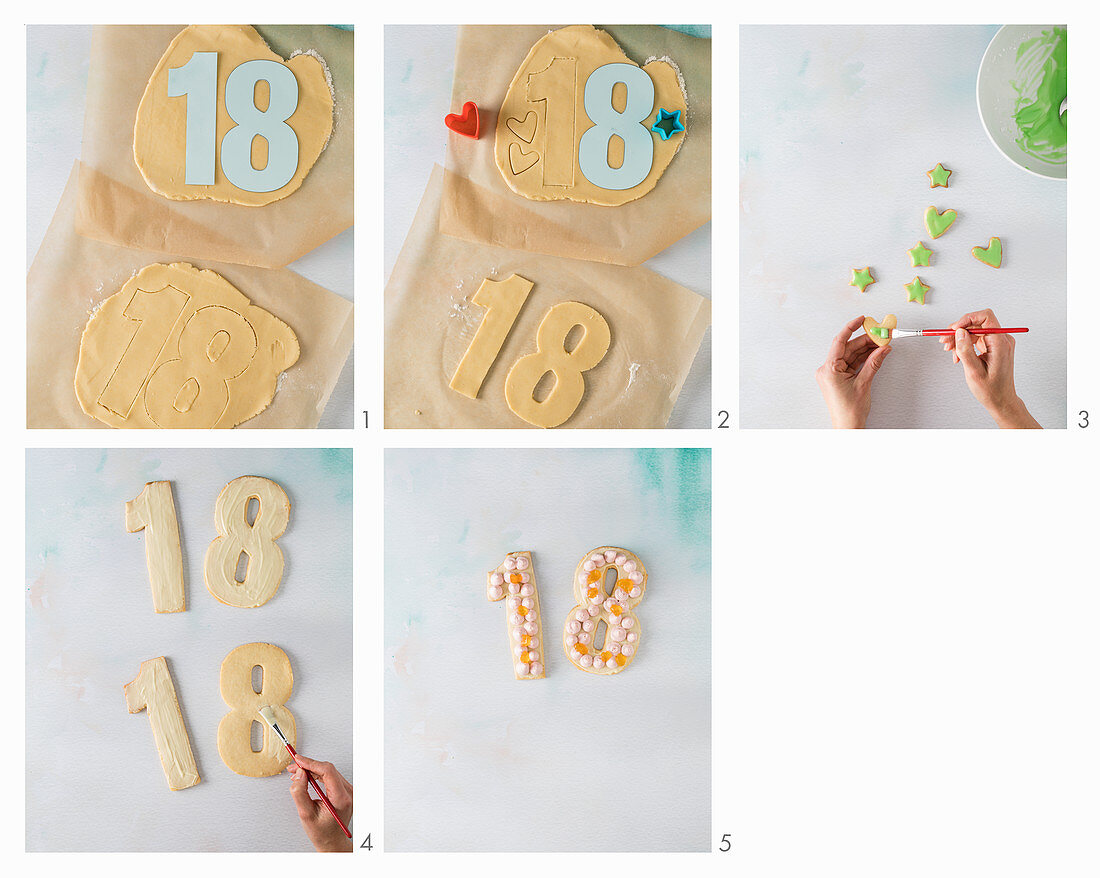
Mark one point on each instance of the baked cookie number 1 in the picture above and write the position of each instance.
(502, 301)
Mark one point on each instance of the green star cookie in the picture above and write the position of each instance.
(916, 290)
(861, 278)
(920, 255)
(938, 175)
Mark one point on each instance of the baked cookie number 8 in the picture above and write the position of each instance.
(602, 633)
(197, 81)
(503, 301)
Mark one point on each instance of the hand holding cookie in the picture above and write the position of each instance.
(845, 376)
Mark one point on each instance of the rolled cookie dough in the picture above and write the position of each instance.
(160, 127)
(139, 368)
(524, 139)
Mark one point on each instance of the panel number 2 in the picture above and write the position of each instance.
(197, 81)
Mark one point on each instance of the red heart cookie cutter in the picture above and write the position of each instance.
(468, 124)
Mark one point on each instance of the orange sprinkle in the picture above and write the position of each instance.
(620, 660)
(605, 655)
(592, 592)
(616, 609)
(515, 577)
(525, 640)
(594, 576)
(581, 648)
(525, 657)
(521, 610)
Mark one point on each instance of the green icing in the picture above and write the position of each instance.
(861, 278)
(937, 223)
(939, 176)
(916, 290)
(920, 255)
(880, 332)
(990, 255)
(1040, 89)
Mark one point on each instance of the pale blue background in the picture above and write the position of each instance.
(419, 72)
(591, 763)
(57, 79)
(838, 126)
(94, 781)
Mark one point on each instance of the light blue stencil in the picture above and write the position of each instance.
(197, 80)
(270, 124)
(637, 140)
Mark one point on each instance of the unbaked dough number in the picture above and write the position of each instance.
(235, 728)
(153, 690)
(514, 577)
(197, 81)
(636, 139)
(154, 511)
(560, 77)
(255, 540)
(566, 366)
(602, 633)
(503, 301)
(217, 344)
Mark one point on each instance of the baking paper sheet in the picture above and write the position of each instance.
(72, 274)
(656, 328)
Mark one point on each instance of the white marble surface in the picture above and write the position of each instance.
(477, 760)
(838, 126)
(419, 69)
(94, 781)
(57, 78)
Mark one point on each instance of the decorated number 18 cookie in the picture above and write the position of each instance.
(602, 633)
(515, 577)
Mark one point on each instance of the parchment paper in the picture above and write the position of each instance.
(478, 205)
(656, 327)
(72, 274)
(118, 207)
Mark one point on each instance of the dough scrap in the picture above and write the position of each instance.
(160, 126)
(235, 728)
(119, 361)
(596, 606)
(152, 689)
(265, 558)
(889, 323)
(517, 132)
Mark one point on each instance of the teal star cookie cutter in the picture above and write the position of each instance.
(667, 124)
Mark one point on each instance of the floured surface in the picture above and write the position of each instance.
(160, 129)
(656, 328)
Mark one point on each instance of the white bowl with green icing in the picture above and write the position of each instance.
(1021, 85)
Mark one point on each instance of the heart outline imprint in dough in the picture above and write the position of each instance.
(989, 255)
(524, 128)
(939, 222)
(520, 160)
(889, 322)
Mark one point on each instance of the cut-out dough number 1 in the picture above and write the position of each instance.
(503, 301)
(197, 81)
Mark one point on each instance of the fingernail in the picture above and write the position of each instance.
(960, 334)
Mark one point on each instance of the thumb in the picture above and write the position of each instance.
(299, 792)
(964, 350)
(872, 364)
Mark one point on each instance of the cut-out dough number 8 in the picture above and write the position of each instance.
(235, 728)
(567, 366)
(609, 122)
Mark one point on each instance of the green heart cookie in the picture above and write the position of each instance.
(937, 223)
(990, 255)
